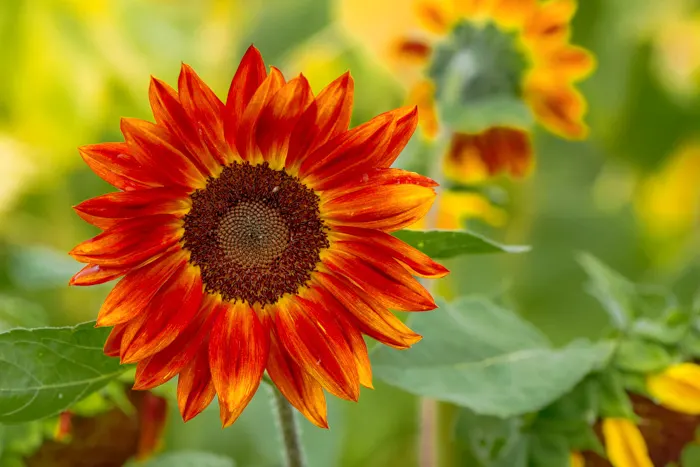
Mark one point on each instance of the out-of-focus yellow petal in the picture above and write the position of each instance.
(456, 207)
(436, 16)
(423, 95)
(668, 202)
(513, 13)
(624, 443)
(677, 53)
(576, 460)
(677, 388)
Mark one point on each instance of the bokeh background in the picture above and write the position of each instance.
(630, 194)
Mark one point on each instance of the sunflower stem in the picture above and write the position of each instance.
(289, 430)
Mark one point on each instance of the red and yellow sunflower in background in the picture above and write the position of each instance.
(253, 235)
(483, 71)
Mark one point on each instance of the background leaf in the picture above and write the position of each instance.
(189, 459)
(488, 359)
(441, 244)
(44, 371)
(641, 356)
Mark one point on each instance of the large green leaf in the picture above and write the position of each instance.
(488, 359)
(442, 244)
(190, 459)
(19, 313)
(485, 441)
(45, 370)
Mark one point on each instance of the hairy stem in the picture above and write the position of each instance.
(289, 430)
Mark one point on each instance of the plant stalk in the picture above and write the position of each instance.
(289, 430)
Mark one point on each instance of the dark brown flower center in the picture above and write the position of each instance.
(255, 233)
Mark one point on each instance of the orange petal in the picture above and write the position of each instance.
(280, 115)
(170, 114)
(114, 341)
(195, 388)
(352, 334)
(245, 140)
(435, 15)
(550, 22)
(370, 317)
(559, 107)
(400, 206)
(314, 340)
(574, 63)
(107, 210)
(156, 151)
(300, 389)
(129, 298)
(334, 108)
(513, 13)
(93, 274)
(248, 78)
(380, 276)
(423, 96)
(474, 157)
(131, 242)
(113, 164)
(206, 112)
(167, 314)
(159, 368)
(414, 260)
(238, 350)
(377, 177)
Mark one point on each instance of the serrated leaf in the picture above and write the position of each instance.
(44, 371)
(611, 289)
(190, 459)
(443, 244)
(640, 356)
(478, 355)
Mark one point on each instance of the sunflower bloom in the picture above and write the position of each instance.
(466, 58)
(625, 444)
(253, 236)
(677, 388)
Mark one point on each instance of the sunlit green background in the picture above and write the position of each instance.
(72, 68)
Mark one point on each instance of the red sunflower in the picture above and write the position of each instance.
(253, 236)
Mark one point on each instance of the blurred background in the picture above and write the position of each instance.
(630, 194)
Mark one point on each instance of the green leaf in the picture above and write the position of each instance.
(662, 332)
(44, 371)
(690, 344)
(442, 244)
(641, 356)
(614, 401)
(190, 459)
(611, 289)
(478, 355)
(486, 441)
(548, 450)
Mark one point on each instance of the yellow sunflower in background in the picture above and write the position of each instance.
(485, 70)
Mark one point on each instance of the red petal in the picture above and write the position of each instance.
(300, 389)
(352, 334)
(326, 117)
(377, 177)
(153, 414)
(245, 140)
(129, 298)
(382, 277)
(315, 341)
(248, 78)
(384, 207)
(371, 318)
(278, 118)
(334, 105)
(206, 112)
(159, 368)
(195, 388)
(114, 341)
(406, 123)
(238, 351)
(93, 274)
(113, 164)
(170, 114)
(415, 261)
(350, 150)
(112, 208)
(131, 242)
(156, 150)
(166, 316)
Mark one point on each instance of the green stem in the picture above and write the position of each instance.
(289, 430)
